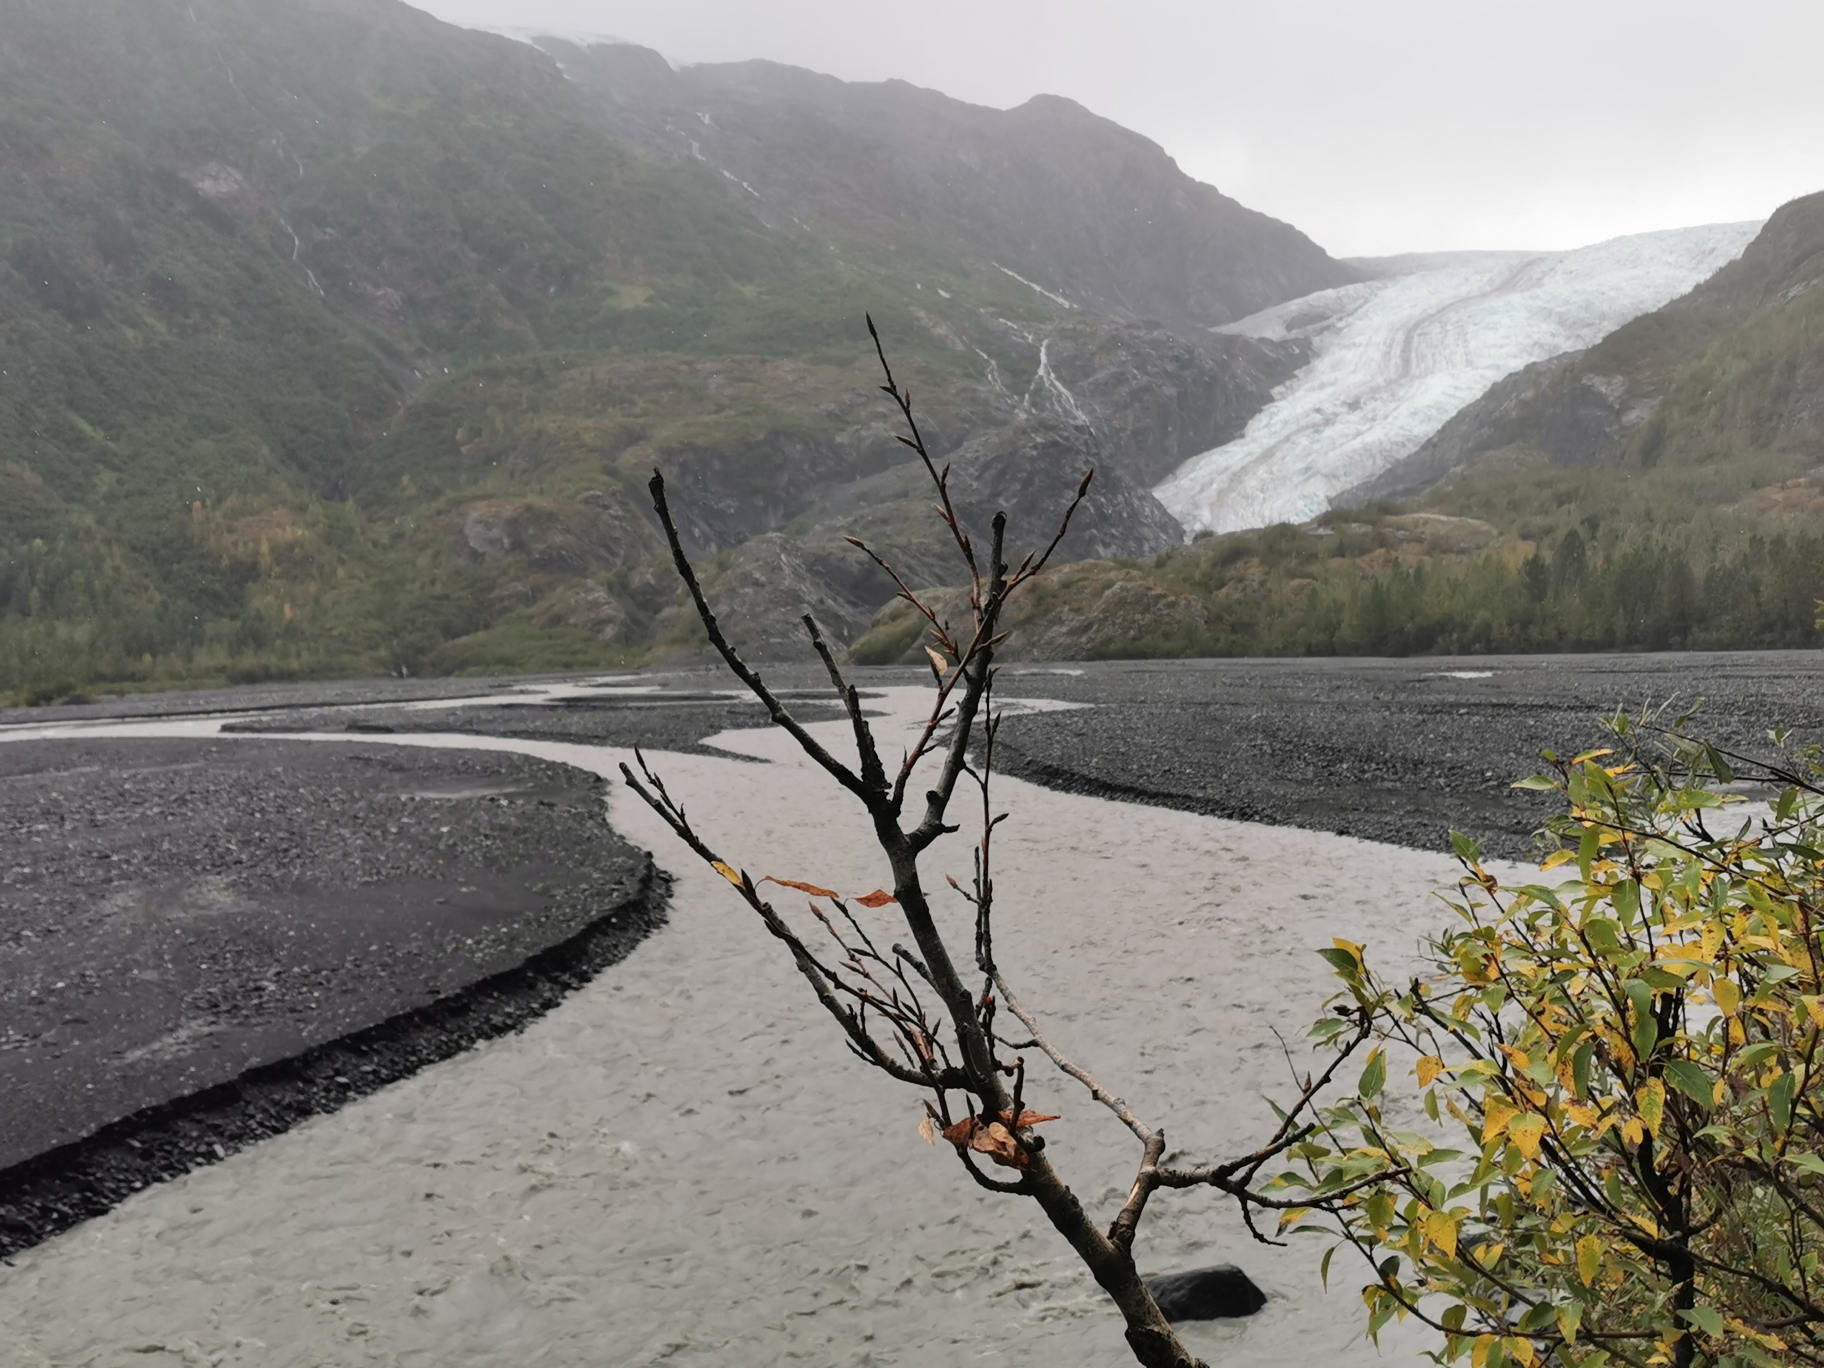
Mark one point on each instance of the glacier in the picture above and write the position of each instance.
(1395, 357)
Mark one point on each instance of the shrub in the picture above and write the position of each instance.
(1629, 1060)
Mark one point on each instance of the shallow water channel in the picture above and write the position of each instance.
(681, 1164)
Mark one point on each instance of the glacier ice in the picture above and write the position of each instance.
(1394, 358)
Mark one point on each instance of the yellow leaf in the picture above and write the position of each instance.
(1632, 1132)
(1589, 1259)
(1430, 1066)
(1728, 995)
(1526, 1132)
(1350, 946)
(1292, 1216)
(1651, 1100)
(1441, 1230)
(1478, 1354)
(1815, 1008)
(1558, 857)
(1520, 1349)
(728, 873)
(1496, 1113)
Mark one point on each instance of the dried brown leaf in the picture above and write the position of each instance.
(992, 1139)
(1028, 1118)
(960, 1132)
(812, 889)
(927, 1131)
(878, 898)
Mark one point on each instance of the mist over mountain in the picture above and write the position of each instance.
(1091, 214)
(337, 339)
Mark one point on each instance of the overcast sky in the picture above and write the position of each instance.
(1376, 126)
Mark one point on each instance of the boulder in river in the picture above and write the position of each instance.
(1206, 1294)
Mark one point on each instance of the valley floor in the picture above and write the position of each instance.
(652, 1171)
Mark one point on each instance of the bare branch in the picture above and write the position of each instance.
(775, 709)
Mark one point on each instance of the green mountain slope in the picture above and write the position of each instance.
(332, 338)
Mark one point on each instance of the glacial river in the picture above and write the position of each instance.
(681, 1164)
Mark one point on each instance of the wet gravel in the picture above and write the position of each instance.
(176, 913)
(677, 719)
(1401, 751)
(204, 941)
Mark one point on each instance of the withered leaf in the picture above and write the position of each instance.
(728, 873)
(1028, 1118)
(997, 1142)
(927, 1131)
(939, 665)
(992, 1139)
(812, 889)
(878, 898)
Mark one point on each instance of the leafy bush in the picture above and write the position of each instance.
(1629, 1060)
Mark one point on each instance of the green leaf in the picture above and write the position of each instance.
(1645, 1034)
(1691, 1080)
(1343, 962)
(1538, 782)
(1626, 898)
(1587, 850)
(1323, 1269)
(1580, 1069)
(1467, 847)
(1705, 1318)
(1779, 1100)
(1756, 1053)
(1374, 1077)
(1604, 935)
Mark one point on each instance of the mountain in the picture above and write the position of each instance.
(1396, 356)
(335, 338)
(1086, 213)
(1728, 379)
(1659, 490)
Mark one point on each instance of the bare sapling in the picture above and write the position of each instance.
(911, 1008)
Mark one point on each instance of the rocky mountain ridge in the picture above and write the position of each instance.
(1083, 212)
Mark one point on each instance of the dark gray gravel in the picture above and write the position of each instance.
(176, 913)
(676, 720)
(1388, 750)
(202, 942)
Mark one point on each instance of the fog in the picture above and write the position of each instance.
(1402, 126)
